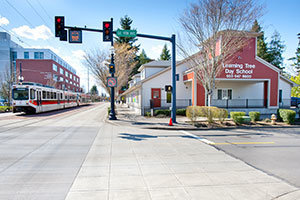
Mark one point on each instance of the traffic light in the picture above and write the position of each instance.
(111, 68)
(59, 25)
(107, 31)
(168, 88)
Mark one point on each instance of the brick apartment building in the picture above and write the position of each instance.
(38, 65)
(48, 72)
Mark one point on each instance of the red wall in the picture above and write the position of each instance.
(40, 71)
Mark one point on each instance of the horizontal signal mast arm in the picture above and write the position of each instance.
(114, 32)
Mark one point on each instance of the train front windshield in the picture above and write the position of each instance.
(20, 94)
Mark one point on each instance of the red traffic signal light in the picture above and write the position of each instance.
(59, 25)
(107, 31)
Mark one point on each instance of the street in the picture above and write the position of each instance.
(75, 154)
(273, 150)
(40, 155)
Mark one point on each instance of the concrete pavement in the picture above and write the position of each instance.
(125, 162)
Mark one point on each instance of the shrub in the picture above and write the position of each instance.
(288, 116)
(148, 114)
(164, 112)
(192, 112)
(181, 112)
(235, 115)
(242, 119)
(208, 112)
(222, 114)
(108, 110)
(255, 116)
(278, 116)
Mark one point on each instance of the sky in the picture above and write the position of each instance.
(31, 24)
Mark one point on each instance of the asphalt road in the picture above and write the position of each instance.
(40, 155)
(272, 150)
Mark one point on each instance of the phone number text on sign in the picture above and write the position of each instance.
(239, 70)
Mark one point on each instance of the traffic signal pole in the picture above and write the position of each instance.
(112, 115)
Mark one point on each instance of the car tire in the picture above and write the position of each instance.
(7, 110)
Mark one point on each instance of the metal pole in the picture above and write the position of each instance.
(173, 79)
(112, 114)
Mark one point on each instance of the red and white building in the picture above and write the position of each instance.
(246, 82)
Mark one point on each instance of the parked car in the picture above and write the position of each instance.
(5, 107)
(295, 101)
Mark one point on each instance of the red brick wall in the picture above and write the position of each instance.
(41, 71)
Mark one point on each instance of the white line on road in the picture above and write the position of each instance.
(197, 137)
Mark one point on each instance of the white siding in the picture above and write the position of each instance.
(286, 92)
(241, 89)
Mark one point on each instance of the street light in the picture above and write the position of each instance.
(21, 79)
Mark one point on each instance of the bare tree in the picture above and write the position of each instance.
(98, 61)
(215, 30)
(6, 80)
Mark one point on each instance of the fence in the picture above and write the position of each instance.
(247, 103)
(180, 103)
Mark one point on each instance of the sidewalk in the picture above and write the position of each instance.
(127, 163)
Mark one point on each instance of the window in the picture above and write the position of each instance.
(280, 96)
(38, 55)
(67, 81)
(54, 67)
(61, 96)
(224, 94)
(32, 94)
(44, 95)
(48, 95)
(71, 82)
(67, 74)
(61, 79)
(26, 55)
(54, 95)
(20, 94)
(71, 77)
(55, 77)
(14, 55)
(74, 78)
(61, 71)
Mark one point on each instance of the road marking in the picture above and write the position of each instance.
(198, 138)
(224, 143)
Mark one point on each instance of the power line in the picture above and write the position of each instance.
(37, 12)
(44, 10)
(20, 40)
(19, 13)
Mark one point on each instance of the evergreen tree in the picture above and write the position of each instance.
(142, 59)
(262, 49)
(165, 54)
(126, 25)
(296, 59)
(94, 90)
(276, 48)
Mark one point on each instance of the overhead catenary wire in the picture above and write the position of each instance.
(44, 10)
(37, 12)
(19, 13)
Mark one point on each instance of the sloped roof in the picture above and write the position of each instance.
(156, 63)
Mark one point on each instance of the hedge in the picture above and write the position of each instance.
(165, 112)
(236, 117)
(192, 112)
(288, 116)
(181, 112)
(242, 119)
(255, 116)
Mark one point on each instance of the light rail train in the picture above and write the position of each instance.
(36, 98)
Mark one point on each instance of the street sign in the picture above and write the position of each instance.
(112, 81)
(75, 36)
(126, 33)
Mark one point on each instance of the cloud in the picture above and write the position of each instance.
(39, 32)
(3, 21)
